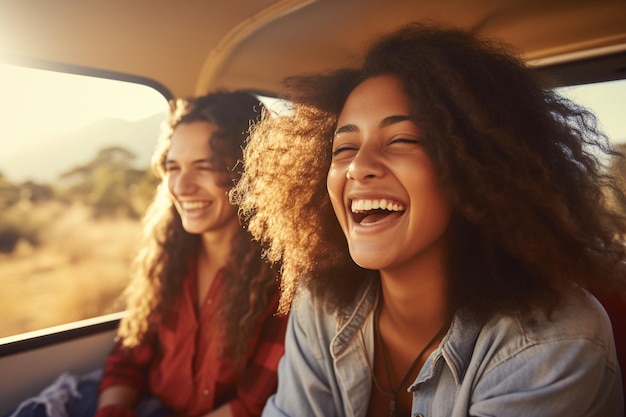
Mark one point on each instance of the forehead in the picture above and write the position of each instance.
(191, 139)
(374, 99)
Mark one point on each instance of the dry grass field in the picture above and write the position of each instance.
(77, 271)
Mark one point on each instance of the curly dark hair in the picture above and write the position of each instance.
(520, 165)
(161, 266)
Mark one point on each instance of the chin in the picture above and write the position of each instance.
(369, 261)
(193, 229)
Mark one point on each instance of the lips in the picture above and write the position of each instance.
(194, 205)
(369, 211)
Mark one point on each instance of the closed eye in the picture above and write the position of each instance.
(171, 168)
(210, 164)
(403, 145)
(343, 149)
(205, 167)
(406, 140)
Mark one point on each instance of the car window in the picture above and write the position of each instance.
(606, 100)
(74, 181)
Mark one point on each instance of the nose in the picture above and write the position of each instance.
(366, 164)
(183, 183)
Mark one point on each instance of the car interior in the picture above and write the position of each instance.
(183, 49)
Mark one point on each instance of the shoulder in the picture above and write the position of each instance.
(310, 306)
(311, 318)
(580, 323)
(534, 362)
(309, 315)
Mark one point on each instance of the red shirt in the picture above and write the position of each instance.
(184, 369)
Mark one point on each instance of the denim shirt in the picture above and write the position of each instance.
(509, 366)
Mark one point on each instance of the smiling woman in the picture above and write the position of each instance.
(452, 303)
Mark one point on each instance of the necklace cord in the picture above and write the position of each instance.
(387, 361)
(393, 393)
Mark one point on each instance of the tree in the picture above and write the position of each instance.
(105, 182)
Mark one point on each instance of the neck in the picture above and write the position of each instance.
(414, 297)
(417, 309)
(408, 324)
(217, 245)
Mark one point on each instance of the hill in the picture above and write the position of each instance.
(46, 159)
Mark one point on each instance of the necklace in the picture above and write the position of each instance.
(393, 393)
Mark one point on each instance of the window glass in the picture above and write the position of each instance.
(74, 181)
(606, 100)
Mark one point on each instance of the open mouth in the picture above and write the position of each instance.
(193, 205)
(372, 211)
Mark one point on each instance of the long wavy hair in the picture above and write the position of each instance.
(163, 261)
(521, 166)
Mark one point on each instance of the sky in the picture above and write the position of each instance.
(36, 104)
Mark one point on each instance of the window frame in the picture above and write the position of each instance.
(78, 329)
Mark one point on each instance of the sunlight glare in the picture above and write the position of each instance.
(36, 103)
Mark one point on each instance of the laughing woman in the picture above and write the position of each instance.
(439, 218)
(201, 335)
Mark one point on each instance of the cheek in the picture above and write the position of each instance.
(225, 180)
(214, 182)
(335, 182)
(435, 205)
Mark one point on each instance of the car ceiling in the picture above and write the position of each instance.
(194, 46)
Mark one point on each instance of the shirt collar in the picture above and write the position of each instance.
(351, 318)
(456, 347)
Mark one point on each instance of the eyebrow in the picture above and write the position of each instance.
(387, 121)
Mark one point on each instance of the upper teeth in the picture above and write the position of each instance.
(190, 205)
(364, 205)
